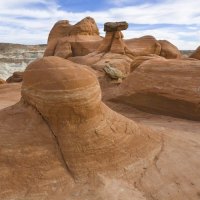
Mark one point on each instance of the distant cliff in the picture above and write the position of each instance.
(15, 57)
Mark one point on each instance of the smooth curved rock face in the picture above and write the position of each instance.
(97, 153)
(15, 78)
(140, 59)
(144, 45)
(168, 50)
(63, 49)
(86, 26)
(113, 43)
(10, 94)
(59, 30)
(31, 166)
(92, 137)
(115, 26)
(196, 54)
(83, 38)
(170, 87)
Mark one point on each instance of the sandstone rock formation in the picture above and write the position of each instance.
(196, 54)
(147, 45)
(76, 95)
(62, 142)
(59, 30)
(63, 132)
(115, 26)
(144, 46)
(63, 28)
(140, 59)
(113, 41)
(164, 86)
(82, 38)
(15, 78)
(168, 50)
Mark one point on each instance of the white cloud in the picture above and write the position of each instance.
(32, 24)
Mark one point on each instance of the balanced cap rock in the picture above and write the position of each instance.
(113, 41)
(115, 26)
(92, 137)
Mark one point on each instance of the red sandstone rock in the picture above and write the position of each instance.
(196, 54)
(86, 26)
(140, 59)
(15, 78)
(168, 50)
(97, 153)
(83, 37)
(59, 30)
(63, 49)
(10, 94)
(144, 46)
(63, 132)
(170, 87)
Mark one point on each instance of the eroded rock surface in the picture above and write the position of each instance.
(79, 39)
(196, 54)
(168, 50)
(15, 78)
(79, 137)
(62, 142)
(164, 86)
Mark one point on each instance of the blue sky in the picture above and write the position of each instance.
(29, 21)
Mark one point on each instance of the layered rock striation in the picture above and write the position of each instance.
(92, 137)
(66, 40)
(169, 87)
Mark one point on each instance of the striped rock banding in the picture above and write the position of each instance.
(91, 136)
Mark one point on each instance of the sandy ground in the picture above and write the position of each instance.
(9, 94)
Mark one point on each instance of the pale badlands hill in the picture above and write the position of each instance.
(16, 57)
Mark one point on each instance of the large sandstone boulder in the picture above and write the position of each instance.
(62, 142)
(63, 49)
(82, 38)
(196, 54)
(15, 78)
(60, 138)
(144, 45)
(170, 87)
(59, 30)
(86, 26)
(168, 50)
(140, 59)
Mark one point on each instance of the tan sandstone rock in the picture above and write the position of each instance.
(144, 45)
(62, 132)
(63, 49)
(76, 95)
(15, 78)
(60, 142)
(83, 37)
(170, 87)
(168, 50)
(59, 30)
(196, 54)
